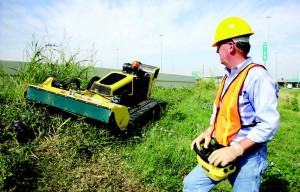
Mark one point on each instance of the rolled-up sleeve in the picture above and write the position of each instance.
(264, 91)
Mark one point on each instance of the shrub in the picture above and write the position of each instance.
(23, 125)
(292, 103)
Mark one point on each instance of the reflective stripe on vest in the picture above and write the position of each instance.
(227, 121)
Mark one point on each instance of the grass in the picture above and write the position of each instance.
(42, 149)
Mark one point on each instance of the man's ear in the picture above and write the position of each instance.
(232, 48)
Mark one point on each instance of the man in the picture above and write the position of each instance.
(244, 118)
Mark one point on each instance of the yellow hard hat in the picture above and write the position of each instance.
(231, 27)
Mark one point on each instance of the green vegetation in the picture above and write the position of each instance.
(46, 150)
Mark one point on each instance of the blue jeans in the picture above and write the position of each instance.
(246, 178)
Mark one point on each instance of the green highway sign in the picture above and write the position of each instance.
(195, 74)
(265, 51)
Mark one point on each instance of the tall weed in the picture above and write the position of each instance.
(56, 64)
(292, 103)
(23, 125)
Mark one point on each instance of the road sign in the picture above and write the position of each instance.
(195, 74)
(265, 51)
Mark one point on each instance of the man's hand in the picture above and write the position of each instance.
(225, 155)
(204, 136)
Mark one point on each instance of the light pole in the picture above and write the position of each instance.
(268, 55)
(117, 57)
(276, 68)
(161, 52)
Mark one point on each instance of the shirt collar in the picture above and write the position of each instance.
(239, 67)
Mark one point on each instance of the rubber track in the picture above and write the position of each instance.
(144, 112)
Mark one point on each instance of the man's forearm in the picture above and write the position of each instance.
(247, 144)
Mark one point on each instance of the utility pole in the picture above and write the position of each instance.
(161, 52)
(268, 55)
(117, 57)
(276, 68)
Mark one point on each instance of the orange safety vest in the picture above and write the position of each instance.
(227, 121)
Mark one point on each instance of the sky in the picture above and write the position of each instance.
(175, 35)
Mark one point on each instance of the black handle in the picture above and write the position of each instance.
(202, 153)
(205, 152)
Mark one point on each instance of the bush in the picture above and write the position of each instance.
(24, 125)
(292, 103)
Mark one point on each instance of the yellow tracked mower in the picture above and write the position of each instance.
(119, 99)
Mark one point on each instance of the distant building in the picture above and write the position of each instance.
(289, 83)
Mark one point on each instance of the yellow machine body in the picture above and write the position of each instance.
(117, 99)
(84, 103)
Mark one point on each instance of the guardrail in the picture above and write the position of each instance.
(165, 80)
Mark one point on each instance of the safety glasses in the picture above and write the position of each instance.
(222, 43)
